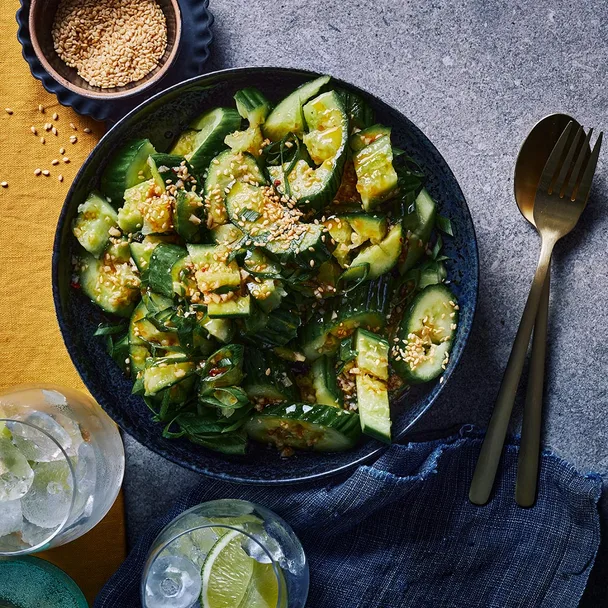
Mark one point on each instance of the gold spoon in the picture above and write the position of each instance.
(531, 160)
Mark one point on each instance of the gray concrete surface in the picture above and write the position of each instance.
(475, 76)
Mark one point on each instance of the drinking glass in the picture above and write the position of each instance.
(61, 467)
(30, 582)
(226, 553)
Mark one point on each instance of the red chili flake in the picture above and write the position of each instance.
(277, 182)
(216, 371)
(75, 285)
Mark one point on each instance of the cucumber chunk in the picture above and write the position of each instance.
(252, 105)
(321, 428)
(376, 176)
(372, 354)
(327, 144)
(227, 169)
(418, 226)
(287, 116)
(221, 329)
(128, 167)
(147, 208)
(379, 258)
(211, 129)
(373, 406)
(92, 224)
(425, 335)
(325, 382)
(143, 333)
(226, 234)
(369, 227)
(188, 216)
(251, 140)
(363, 138)
(212, 270)
(161, 373)
(268, 378)
(111, 281)
(239, 306)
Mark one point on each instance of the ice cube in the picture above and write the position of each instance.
(10, 517)
(72, 428)
(261, 546)
(35, 445)
(16, 475)
(54, 397)
(172, 581)
(35, 535)
(50, 498)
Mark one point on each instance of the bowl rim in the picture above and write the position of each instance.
(373, 454)
(102, 94)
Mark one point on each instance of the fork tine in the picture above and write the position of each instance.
(582, 192)
(582, 155)
(567, 164)
(553, 162)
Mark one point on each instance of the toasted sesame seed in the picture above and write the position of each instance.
(54, 162)
(55, 116)
(61, 150)
(42, 141)
(8, 110)
(46, 172)
(87, 130)
(33, 130)
(60, 178)
(40, 108)
(73, 139)
(66, 159)
(4, 184)
(37, 171)
(54, 131)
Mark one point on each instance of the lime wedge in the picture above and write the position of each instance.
(227, 573)
(263, 591)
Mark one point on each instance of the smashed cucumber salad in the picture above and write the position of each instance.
(279, 273)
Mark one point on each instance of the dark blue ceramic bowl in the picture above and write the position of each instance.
(159, 119)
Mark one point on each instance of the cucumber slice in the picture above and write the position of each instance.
(325, 382)
(211, 129)
(252, 105)
(365, 306)
(162, 260)
(182, 277)
(226, 234)
(374, 408)
(376, 176)
(161, 373)
(418, 227)
(307, 249)
(146, 208)
(227, 169)
(380, 258)
(142, 252)
(213, 272)
(268, 378)
(425, 335)
(221, 329)
(363, 138)
(128, 167)
(171, 167)
(138, 353)
(360, 115)
(321, 428)
(188, 216)
(185, 143)
(327, 144)
(287, 116)
(369, 227)
(251, 140)
(252, 210)
(111, 282)
(239, 306)
(372, 354)
(92, 224)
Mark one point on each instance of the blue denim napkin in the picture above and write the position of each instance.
(402, 533)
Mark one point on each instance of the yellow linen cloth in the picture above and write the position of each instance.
(31, 347)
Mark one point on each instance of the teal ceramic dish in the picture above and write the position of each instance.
(159, 119)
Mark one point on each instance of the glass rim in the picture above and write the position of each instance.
(74, 492)
(155, 554)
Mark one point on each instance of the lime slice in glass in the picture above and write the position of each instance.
(227, 573)
(263, 590)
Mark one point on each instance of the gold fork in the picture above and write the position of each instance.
(561, 196)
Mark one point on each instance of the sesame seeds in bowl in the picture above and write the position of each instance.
(105, 49)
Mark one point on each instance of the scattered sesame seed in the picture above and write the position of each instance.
(33, 130)
(61, 150)
(66, 159)
(87, 130)
(73, 126)
(8, 110)
(4, 184)
(42, 141)
(46, 172)
(55, 116)
(54, 131)
(37, 171)
(54, 162)
(40, 108)
(60, 178)
(73, 139)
